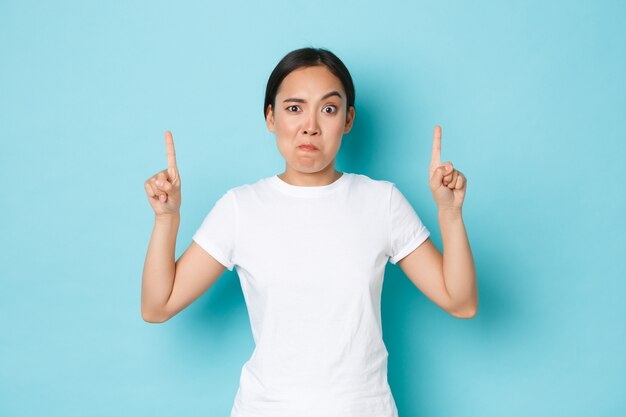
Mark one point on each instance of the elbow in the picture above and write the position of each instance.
(468, 312)
(465, 315)
(152, 320)
(152, 317)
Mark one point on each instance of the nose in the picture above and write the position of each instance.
(311, 127)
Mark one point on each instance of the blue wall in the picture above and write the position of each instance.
(532, 100)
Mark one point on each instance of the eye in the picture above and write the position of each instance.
(290, 107)
(330, 106)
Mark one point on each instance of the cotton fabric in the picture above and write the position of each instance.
(311, 262)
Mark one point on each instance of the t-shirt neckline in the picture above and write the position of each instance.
(308, 191)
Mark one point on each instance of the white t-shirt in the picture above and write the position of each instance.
(311, 262)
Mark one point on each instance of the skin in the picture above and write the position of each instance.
(449, 280)
(310, 119)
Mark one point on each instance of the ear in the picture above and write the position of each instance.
(269, 118)
(349, 119)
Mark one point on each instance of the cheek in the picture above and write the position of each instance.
(335, 128)
(286, 125)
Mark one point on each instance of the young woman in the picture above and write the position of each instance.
(310, 247)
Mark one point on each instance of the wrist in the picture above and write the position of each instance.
(450, 212)
(167, 218)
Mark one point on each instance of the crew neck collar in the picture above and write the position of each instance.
(308, 191)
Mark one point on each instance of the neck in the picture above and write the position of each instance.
(310, 179)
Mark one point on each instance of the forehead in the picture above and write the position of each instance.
(313, 81)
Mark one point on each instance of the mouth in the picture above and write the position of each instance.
(307, 147)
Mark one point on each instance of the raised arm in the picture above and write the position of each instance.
(164, 196)
(449, 280)
(169, 286)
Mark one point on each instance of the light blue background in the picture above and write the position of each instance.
(532, 100)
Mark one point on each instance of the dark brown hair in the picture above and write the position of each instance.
(308, 57)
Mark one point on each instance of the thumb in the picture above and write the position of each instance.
(172, 172)
(437, 179)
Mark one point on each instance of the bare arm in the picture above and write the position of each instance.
(448, 280)
(459, 271)
(168, 287)
(159, 269)
(196, 272)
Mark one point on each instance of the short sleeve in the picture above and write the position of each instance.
(406, 230)
(217, 233)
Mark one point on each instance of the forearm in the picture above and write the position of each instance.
(160, 267)
(458, 263)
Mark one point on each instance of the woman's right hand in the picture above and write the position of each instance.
(163, 188)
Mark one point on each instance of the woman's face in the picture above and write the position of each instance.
(310, 109)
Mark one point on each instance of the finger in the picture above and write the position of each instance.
(162, 178)
(437, 177)
(169, 148)
(159, 193)
(163, 185)
(453, 181)
(149, 190)
(168, 175)
(155, 189)
(448, 171)
(436, 151)
(460, 182)
(451, 175)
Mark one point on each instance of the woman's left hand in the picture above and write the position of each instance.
(446, 183)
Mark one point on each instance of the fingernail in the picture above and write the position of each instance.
(159, 182)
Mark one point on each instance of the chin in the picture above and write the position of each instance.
(307, 170)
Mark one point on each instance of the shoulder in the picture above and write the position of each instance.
(377, 187)
(249, 192)
(247, 187)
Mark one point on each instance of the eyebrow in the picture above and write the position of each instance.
(300, 100)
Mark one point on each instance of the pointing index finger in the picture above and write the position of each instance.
(436, 154)
(169, 147)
